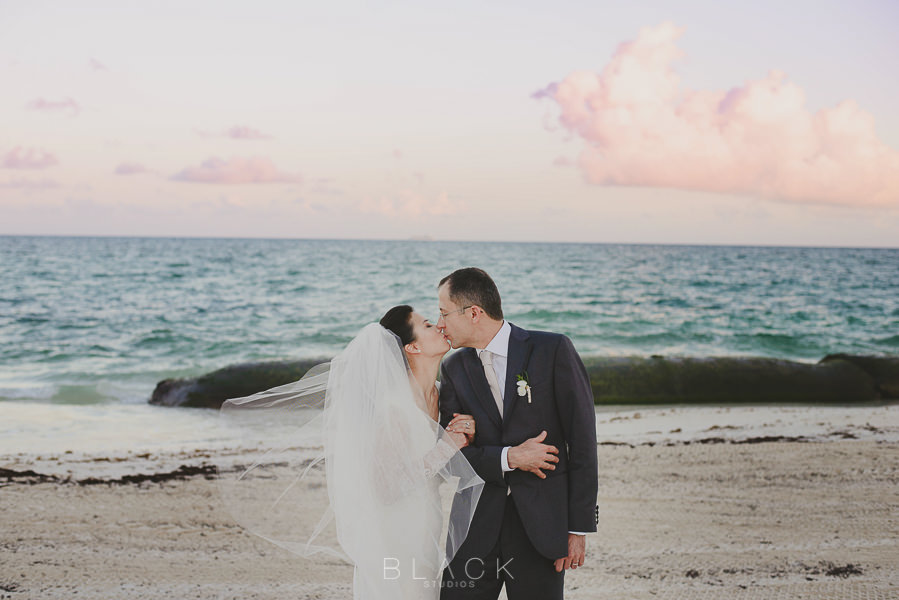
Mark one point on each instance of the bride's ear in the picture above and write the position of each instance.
(412, 348)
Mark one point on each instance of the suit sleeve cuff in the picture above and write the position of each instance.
(504, 460)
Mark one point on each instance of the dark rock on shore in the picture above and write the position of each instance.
(735, 379)
(212, 389)
(884, 370)
(838, 378)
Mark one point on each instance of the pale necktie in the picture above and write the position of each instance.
(487, 361)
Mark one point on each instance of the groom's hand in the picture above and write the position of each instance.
(577, 552)
(532, 455)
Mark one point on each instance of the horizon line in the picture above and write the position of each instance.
(441, 241)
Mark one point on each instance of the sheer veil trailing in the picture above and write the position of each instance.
(350, 466)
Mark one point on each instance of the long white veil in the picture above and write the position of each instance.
(350, 466)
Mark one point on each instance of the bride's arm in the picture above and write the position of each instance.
(398, 470)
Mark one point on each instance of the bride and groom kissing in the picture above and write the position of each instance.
(509, 431)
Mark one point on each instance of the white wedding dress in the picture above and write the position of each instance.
(356, 469)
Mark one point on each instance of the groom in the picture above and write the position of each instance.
(535, 446)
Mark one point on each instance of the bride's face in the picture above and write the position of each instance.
(428, 339)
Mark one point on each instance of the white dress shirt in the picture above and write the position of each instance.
(499, 346)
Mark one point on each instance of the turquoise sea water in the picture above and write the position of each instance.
(88, 320)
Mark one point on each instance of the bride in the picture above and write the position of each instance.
(361, 469)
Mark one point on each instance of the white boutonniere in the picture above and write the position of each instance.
(524, 386)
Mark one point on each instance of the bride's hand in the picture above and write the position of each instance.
(458, 439)
(462, 424)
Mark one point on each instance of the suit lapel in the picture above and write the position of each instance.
(519, 352)
(475, 371)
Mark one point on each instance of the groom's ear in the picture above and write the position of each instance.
(476, 313)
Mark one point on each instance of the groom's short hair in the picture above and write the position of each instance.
(472, 286)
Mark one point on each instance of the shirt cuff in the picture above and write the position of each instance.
(577, 532)
(504, 460)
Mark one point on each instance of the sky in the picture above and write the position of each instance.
(691, 122)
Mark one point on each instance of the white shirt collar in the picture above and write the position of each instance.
(499, 345)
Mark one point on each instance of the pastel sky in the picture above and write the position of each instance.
(701, 122)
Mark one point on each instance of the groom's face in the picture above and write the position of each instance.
(456, 326)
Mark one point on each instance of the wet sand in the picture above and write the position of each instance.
(710, 519)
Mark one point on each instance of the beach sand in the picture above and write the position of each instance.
(688, 520)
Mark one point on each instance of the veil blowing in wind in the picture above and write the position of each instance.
(352, 467)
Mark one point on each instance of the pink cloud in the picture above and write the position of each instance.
(236, 170)
(29, 158)
(240, 132)
(66, 105)
(547, 92)
(759, 139)
(127, 168)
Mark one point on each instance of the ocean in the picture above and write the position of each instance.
(101, 320)
(88, 326)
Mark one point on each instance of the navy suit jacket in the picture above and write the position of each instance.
(562, 405)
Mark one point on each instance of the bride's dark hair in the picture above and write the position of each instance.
(399, 320)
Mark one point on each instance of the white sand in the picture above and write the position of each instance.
(678, 520)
